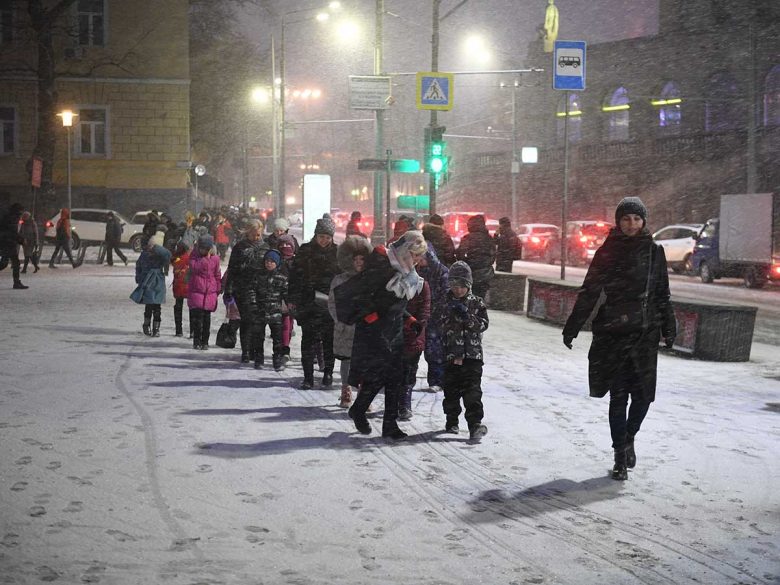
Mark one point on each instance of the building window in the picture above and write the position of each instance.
(668, 105)
(617, 107)
(772, 98)
(6, 22)
(725, 107)
(91, 15)
(7, 130)
(575, 117)
(91, 132)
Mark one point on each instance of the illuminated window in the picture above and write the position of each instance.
(575, 117)
(7, 130)
(616, 108)
(725, 108)
(91, 132)
(91, 18)
(772, 97)
(669, 108)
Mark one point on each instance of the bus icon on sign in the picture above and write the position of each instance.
(569, 61)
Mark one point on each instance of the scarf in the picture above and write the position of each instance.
(405, 283)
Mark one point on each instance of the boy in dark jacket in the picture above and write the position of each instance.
(269, 290)
(464, 321)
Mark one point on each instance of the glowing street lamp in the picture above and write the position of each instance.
(67, 121)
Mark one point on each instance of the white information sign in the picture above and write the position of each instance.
(316, 201)
(369, 92)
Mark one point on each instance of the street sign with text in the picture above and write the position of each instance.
(401, 165)
(369, 92)
(372, 164)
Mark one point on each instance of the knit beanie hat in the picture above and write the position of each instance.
(505, 221)
(325, 226)
(436, 219)
(281, 224)
(460, 273)
(274, 256)
(631, 205)
(205, 242)
(286, 246)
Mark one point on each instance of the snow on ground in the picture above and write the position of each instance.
(129, 459)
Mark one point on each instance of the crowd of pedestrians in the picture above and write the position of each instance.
(379, 309)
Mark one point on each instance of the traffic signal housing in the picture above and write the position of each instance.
(435, 152)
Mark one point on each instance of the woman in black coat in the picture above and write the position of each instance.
(375, 302)
(630, 269)
(478, 250)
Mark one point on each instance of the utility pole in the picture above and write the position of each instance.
(378, 234)
(434, 115)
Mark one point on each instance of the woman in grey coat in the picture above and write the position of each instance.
(630, 269)
(351, 257)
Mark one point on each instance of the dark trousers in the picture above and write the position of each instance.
(110, 248)
(200, 323)
(178, 313)
(222, 250)
(504, 265)
(411, 363)
(246, 310)
(463, 383)
(31, 258)
(619, 425)
(62, 248)
(258, 338)
(314, 331)
(15, 265)
(369, 388)
(481, 289)
(152, 312)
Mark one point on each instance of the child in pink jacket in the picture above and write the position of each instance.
(204, 288)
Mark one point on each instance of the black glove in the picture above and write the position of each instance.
(567, 341)
(460, 310)
(669, 341)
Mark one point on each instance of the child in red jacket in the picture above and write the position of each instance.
(180, 260)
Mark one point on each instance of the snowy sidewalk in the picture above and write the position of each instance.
(128, 459)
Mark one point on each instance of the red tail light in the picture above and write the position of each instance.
(49, 224)
(584, 239)
(776, 269)
(535, 239)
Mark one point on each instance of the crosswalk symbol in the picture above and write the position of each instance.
(434, 91)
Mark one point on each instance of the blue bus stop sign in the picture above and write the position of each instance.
(569, 65)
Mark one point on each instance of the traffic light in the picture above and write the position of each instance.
(435, 151)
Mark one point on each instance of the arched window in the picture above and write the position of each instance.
(772, 97)
(616, 107)
(668, 105)
(725, 108)
(575, 117)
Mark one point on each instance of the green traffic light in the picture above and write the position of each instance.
(437, 165)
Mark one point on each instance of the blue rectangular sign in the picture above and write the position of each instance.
(569, 65)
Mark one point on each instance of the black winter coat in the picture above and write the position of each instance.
(506, 247)
(246, 262)
(312, 271)
(620, 270)
(441, 242)
(9, 231)
(113, 232)
(378, 315)
(478, 250)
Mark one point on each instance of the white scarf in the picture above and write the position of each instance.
(405, 283)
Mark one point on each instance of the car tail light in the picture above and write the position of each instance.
(536, 240)
(584, 239)
(49, 224)
(776, 269)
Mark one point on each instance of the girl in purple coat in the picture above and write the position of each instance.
(204, 288)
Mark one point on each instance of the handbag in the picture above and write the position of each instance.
(627, 317)
(226, 337)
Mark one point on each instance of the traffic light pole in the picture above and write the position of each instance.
(378, 233)
(432, 182)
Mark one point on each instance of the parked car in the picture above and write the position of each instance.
(137, 227)
(535, 237)
(678, 242)
(296, 217)
(583, 238)
(88, 226)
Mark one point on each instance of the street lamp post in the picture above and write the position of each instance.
(67, 121)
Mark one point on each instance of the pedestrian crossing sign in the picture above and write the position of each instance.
(434, 91)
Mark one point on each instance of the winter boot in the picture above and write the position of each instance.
(452, 426)
(244, 356)
(360, 420)
(179, 330)
(327, 378)
(405, 404)
(345, 400)
(619, 471)
(477, 432)
(278, 362)
(630, 453)
(390, 430)
(259, 361)
(156, 329)
(147, 326)
(18, 285)
(308, 376)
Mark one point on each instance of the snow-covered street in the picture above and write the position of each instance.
(128, 459)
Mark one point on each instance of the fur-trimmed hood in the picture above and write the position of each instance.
(352, 246)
